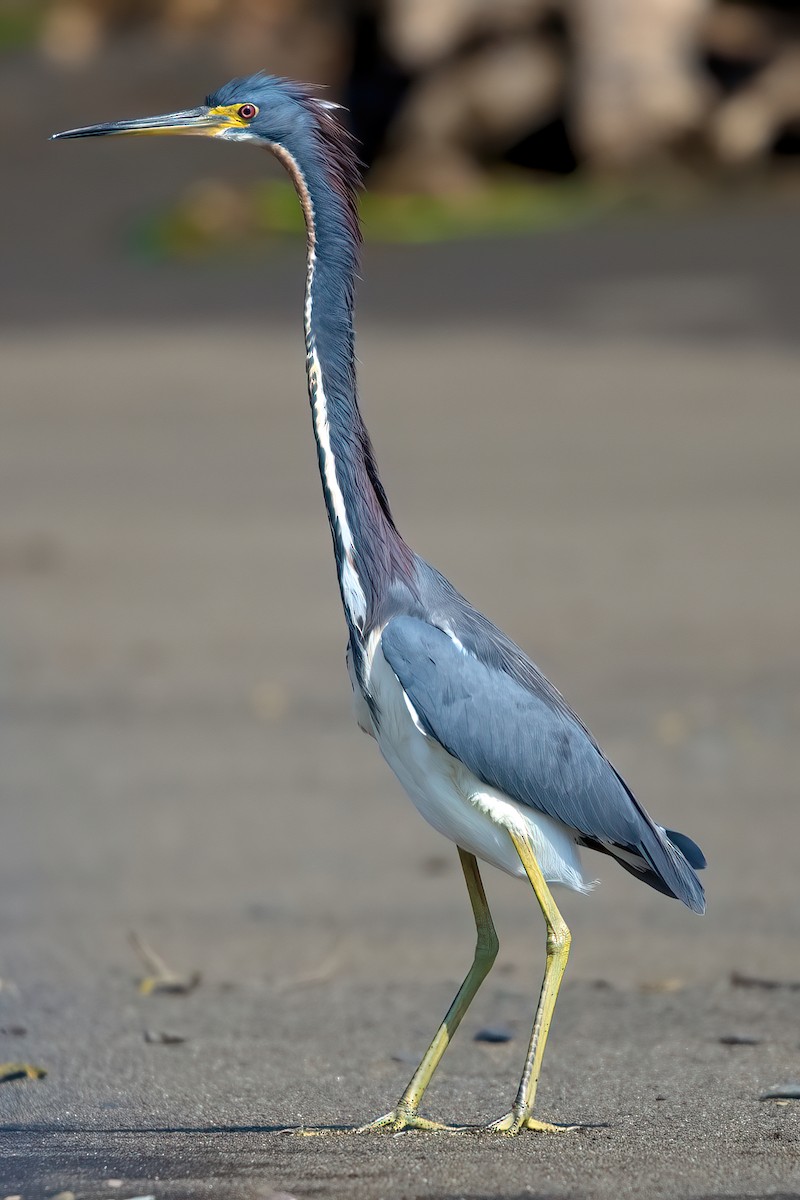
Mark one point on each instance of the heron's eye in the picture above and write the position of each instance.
(247, 111)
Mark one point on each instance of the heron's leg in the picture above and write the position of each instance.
(558, 943)
(405, 1115)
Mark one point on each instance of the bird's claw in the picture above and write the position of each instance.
(513, 1123)
(398, 1121)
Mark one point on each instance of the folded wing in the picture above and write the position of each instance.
(528, 744)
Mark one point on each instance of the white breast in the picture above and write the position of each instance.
(448, 795)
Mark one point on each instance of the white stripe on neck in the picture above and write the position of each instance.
(353, 596)
(352, 592)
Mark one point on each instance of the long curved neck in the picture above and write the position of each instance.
(369, 552)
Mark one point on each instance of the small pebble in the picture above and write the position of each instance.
(770, 985)
(782, 1091)
(158, 1037)
(11, 1071)
(653, 986)
(171, 985)
(494, 1034)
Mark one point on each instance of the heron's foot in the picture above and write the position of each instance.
(399, 1120)
(513, 1123)
(396, 1121)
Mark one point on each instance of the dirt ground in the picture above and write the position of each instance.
(599, 444)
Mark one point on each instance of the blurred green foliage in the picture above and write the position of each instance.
(213, 217)
(19, 23)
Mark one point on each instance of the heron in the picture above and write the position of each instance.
(487, 749)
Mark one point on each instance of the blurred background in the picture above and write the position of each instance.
(440, 93)
(578, 335)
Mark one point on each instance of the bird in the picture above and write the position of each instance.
(487, 749)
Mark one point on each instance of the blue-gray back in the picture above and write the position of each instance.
(490, 707)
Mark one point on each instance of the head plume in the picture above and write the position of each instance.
(308, 127)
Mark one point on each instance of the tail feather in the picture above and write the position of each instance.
(689, 849)
(665, 860)
(672, 857)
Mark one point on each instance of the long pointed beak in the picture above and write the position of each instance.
(203, 122)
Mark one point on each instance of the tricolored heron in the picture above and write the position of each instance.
(489, 752)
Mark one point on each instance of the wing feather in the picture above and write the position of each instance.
(528, 744)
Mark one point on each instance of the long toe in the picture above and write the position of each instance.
(512, 1124)
(398, 1121)
(392, 1122)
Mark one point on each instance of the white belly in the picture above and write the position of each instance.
(450, 797)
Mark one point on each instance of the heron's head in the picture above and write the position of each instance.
(261, 108)
(286, 118)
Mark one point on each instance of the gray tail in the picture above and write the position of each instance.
(664, 859)
(668, 862)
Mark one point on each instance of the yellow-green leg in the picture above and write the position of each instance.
(558, 943)
(405, 1116)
